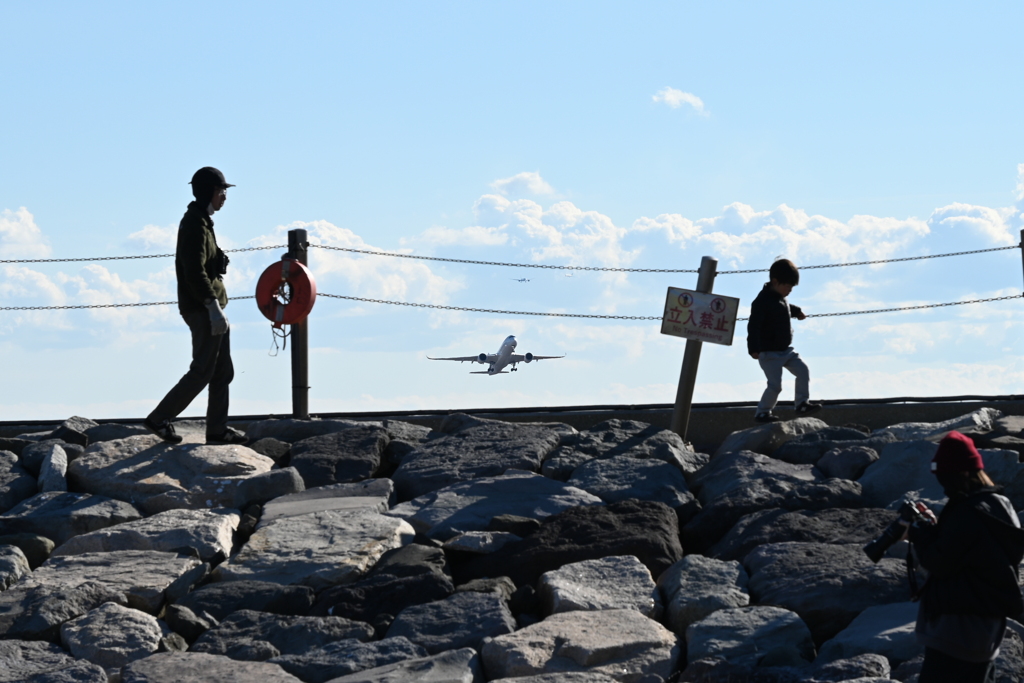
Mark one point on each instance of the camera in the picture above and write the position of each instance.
(908, 514)
(222, 262)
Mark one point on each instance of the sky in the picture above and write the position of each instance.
(598, 134)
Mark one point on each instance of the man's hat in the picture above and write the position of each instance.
(956, 454)
(208, 176)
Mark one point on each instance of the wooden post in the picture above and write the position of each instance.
(300, 338)
(688, 374)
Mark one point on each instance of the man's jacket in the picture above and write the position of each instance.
(770, 327)
(197, 262)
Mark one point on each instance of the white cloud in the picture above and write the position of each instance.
(20, 237)
(439, 236)
(993, 224)
(1020, 182)
(527, 183)
(153, 237)
(677, 98)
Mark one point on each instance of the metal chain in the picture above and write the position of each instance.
(908, 308)
(127, 258)
(72, 308)
(491, 310)
(871, 263)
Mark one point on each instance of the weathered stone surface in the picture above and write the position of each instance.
(221, 599)
(480, 542)
(346, 456)
(13, 565)
(460, 620)
(140, 575)
(372, 495)
(978, 421)
(24, 661)
(33, 455)
(565, 677)
(59, 516)
(187, 623)
(718, 670)
(482, 448)
(827, 585)
(866, 666)
(113, 431)
(346, 657)
(744, 634)
(35, 612)
(621, 643)
(112, 635)
(882, 630)
(848, 462)
(14, 445)
(765, 439)
(777, 525)
(287, 635)
(698, 586)
(53, 472)
(161, 476)
(36, 548)
(405, 437)
(810, 448)
(454, 666)
(266, 486)
(622, 477)
(647, 530)
(470, 505)
(291, 431)
(901, 468)
(208, 532)
(621, 582)
(16, 484)
(274, 449)
(614, 438)
(320, 549)
(197, 667)
(730, 471)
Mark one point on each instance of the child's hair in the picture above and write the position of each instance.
(785, 272)
(964, 483)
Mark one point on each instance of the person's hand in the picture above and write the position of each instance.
(801, 315)
(923, 509)
(218, 321)
(755, 355)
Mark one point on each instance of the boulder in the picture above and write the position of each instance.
(621, 582)
(320, 549)
(112, 636)
(13, 565)
(16, 483)
(902, 468)
(460, 620)
(348, 656)
(275, 449)
(372, 495)
(291, 430)
(112, 431)
(565, 677)
(36, 548)
(454, 666)
(286, 635)
(187, 623)
(827, 585)
(34, 612)
(405, 437)
(697, 586)
(14, 445)
(32, 661)
(621, 643)
(979, 421)
(349, 455)
(53, 472)
(766, 438)
(59, 516)
(645, 529)
(886, 630)
(745, 635)
(480, 448)
(866, 666)
(208, 532)
(197, 667)
(33, 455)
(221, 599)
(471, 505)
(731, 471)
(622, 477)
(810, 448)
(847, 462)
(719, 670)
(480, 542)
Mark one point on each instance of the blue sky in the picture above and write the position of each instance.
(593, 134)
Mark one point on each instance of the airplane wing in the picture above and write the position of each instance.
(519, 358)
(470, 359)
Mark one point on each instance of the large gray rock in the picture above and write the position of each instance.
(36, 548)
(34, 612)
(141, 576)
(208, 532)
(13, 565)
(461, 620)
(59, 516)
(53, 472)
(979, 421)
(698, 586)
(112, 636)
(113, 431)
(480, 542)
(34, 455)
(454, 666)
(827, 585)
(884, 630)
(365, 495)
(623, 476)
(810, 448)
(765, 439)
(221, 599)
(574, 677)
(347, 656)
(73, 430)
(405, 437)
(291, 431)
(349, 455)
(848, 462)
(866, 666)
(16, 484)
(622, 643)
(482, 448)
(730, 471)
(621, 582)
(197, 667)
(236, 635)
(901, 468)
(160, 476)
(470, 505)
(744, 635)
(25, 661)
(320, 549)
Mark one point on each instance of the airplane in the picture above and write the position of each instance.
(499, 360)
(520, 279)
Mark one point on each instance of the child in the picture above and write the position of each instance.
(769, 335)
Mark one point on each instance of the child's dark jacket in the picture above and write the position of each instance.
(770, 327)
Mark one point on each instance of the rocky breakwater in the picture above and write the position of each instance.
(483, 551)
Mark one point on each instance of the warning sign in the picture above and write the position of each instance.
(701, 317)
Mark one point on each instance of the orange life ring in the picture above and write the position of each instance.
(286, 292)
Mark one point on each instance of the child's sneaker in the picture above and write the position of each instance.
(767, 417)
(808, 408)
(165, 431)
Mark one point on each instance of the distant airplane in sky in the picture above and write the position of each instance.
(499, 360)
(518, 279)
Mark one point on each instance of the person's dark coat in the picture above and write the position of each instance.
(972, 556)
(770, 327)
(197, 262)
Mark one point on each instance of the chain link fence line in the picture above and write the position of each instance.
(128, 258)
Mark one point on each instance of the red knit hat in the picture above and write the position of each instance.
(956, 453)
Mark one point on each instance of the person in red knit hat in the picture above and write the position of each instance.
(972, 556)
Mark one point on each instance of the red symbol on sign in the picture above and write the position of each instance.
(717, 305)
(685, 300)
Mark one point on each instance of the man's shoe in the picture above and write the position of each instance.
(808, 408)
(767, 417)
(164, 431)
(230, 436)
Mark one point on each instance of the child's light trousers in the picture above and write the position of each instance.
(772, 363)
